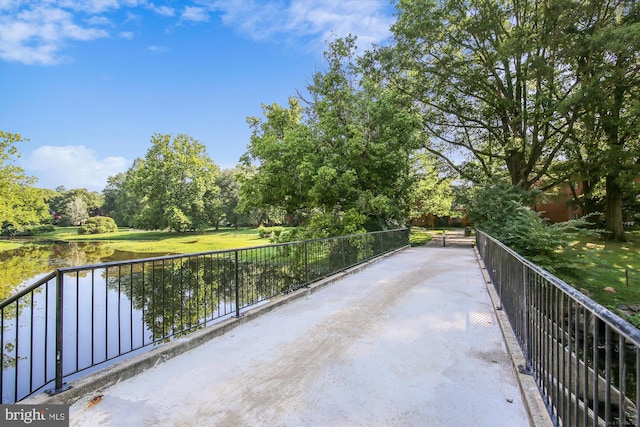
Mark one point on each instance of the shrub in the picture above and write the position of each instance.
(272, 233)
(503, 211)
(9, 229)
(39, 229)
(98, 225)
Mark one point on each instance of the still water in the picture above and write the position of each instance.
(21, 267)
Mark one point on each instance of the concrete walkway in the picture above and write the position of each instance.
(411, 340)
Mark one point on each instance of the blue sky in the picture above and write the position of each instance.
(88, 82)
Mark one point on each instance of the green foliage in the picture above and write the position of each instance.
(503, 211)
(490, 80)
(73, 207)
(272, 233)
(341, 165)
(21, 205)
(122, 203)
(174, 186)
(337, 223)
(432, 191)
(98, 225)
(177, 220)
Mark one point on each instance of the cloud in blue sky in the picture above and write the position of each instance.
(36, 32)
(73, 164)
(368, 19)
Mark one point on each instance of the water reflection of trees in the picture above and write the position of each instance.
(181, 294)
(24, 263)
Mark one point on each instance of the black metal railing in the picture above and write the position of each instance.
(584, 358)
(77, 319)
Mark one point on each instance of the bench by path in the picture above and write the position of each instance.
(411, 340)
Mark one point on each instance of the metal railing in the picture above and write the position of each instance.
(584, 358)
(77, 319)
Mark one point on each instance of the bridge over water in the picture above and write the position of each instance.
(412, 340)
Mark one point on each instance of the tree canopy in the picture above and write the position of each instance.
(340, 163)
(524, 89)
(172, 187)
(21, 204)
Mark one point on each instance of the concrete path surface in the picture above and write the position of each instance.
(411, 340)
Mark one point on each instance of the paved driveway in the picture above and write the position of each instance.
(411, 340)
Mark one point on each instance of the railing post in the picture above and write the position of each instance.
(237, 285)
(306, 264)
(60, 386)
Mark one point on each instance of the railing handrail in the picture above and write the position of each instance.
(110, 264)
(13, 298)
(623, 326)
(584, 358)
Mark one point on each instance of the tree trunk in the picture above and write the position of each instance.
(613, 214)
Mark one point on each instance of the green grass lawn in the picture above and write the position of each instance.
(189, 242)
(615, 262)
(420, 236)
(157, 241)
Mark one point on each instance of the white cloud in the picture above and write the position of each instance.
(157, 49)
(99, 20)
(196, 14)
(36, 35)
(161, 10)
(74, 166)
(127, 35)
(369, 20)
(37, 31)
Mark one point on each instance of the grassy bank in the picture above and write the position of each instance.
(156, 241)
(420, 236)
(614, 279)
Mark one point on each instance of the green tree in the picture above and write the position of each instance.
(604, 52)
(20, 203)
(75, 205)
(341, 161)
(364, 133)
(175, 184)
(121, 201)
(490, 78)
(432, 191)
(285, 151)
(229, 183)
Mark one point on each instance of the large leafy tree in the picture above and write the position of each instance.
(284, 149)
(175, 184)
(365, 133)
(605, 53)
(489, 77)
(340, 164)
(21, 204)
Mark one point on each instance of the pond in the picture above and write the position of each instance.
(22, 266)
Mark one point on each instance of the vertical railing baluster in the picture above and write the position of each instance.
(60, 386)
(607, 374)
(622, 386)
(237, 285)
